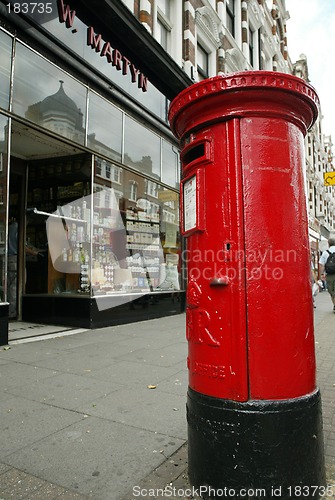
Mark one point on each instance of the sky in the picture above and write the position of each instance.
(311, 31)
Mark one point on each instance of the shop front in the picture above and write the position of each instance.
(89, 175)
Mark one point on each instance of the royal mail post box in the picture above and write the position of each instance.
(253, 410)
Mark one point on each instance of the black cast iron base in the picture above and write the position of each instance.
(257, 449)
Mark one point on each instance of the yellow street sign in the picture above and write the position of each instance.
(329, 178)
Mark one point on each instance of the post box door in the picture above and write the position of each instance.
(212, 221)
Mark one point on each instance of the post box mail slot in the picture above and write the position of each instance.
(197, 152)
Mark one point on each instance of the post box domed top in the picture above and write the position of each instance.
(247, 93)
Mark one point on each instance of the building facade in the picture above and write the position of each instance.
(320, 196)
(89, 186)
(225, 36)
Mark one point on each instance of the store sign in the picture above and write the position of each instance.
(314, 224)
(329, 178)
(103, 48)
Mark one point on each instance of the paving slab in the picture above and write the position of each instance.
(96, 457)
(25, 422)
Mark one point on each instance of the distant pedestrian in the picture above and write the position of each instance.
(314, 285)
(327, 269)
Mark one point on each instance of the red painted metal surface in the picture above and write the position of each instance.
(249, 308)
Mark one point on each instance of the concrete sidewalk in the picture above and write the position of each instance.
(96, 414)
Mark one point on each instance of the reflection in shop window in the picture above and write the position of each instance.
(3, 209)
(170, 164)
(153, 99)
(102, 137)
(168, 216)
(47, 96)
(108, 171)
(98, 167)
(154, 210)
(133, 189)
(152, 188)
(5, 65)
(118, 197)
(142, 150)
(116, 174)
(120, 242)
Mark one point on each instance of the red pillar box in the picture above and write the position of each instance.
(253, 410)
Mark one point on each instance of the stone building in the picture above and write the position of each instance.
(211, 37)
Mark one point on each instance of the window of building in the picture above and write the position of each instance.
(251, 47)
(129, 4)
(230, 6)
(254, 46)
(163, 26)
(202, 62)
(260, 58)
(162, 34)
(164, 6)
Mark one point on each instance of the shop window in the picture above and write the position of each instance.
(47, 96)
(121, 239)
(135, 249)
(141, 148)
(104, 127)
(5, 65)
(152, 99)
(59, 225)
(3, 213)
